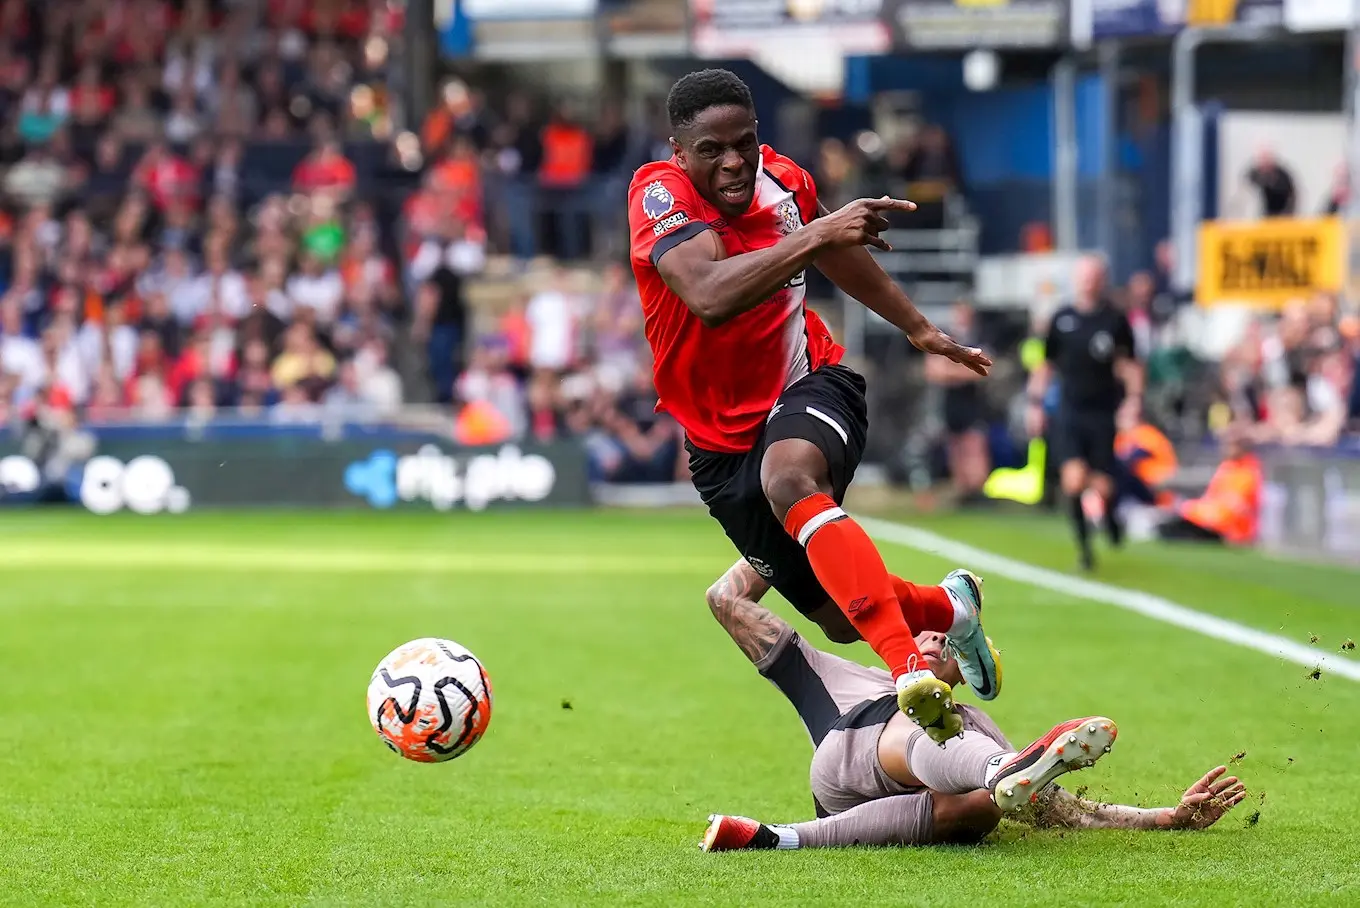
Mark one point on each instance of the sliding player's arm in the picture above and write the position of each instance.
(735, 601)
(854, 270)
(1202, 805)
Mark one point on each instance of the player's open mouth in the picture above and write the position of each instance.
(735, 192)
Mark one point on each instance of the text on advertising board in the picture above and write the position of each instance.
(1269, 262)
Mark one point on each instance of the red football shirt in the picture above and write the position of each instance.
(721, 383)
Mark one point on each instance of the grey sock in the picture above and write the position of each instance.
(899, 820)
(960, 766)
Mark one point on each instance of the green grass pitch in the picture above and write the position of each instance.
(183, 722)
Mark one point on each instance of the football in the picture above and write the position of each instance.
(429, 700)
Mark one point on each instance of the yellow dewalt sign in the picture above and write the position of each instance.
(1210, 12)
(1269, 262)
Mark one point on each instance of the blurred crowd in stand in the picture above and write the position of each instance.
(196, 208)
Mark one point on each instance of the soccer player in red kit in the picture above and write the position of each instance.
(775, 426)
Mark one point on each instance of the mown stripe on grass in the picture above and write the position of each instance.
(1137, 601)
(105, 555)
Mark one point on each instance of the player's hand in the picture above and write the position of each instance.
(1035, 419)
(935, 341)
(1205, 802)
(861, 222)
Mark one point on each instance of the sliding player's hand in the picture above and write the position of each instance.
(1205, 802)
(937, 342)
(861, 222)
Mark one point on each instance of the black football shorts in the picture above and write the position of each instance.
(1085, 435)
(825, 407)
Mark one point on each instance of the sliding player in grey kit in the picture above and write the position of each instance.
(877, 779)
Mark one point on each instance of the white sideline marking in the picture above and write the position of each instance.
(1145, 604)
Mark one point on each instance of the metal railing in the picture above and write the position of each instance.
(936, 268)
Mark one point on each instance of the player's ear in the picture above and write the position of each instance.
(676, 149)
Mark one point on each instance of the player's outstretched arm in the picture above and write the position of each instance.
(853, 269)
(1202, 805)
(717, 289)
(735, 600)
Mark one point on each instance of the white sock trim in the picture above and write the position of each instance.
(963, 612)
(911, 678)
(817, 522)
(994, 765)
(788, 837)
(818, 414)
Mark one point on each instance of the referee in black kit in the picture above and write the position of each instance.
(1090, 349)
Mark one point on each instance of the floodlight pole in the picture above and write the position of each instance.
(1065, 167)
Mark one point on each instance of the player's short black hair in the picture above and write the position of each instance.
(697, 92)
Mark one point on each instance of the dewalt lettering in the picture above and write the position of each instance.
(1269, 262)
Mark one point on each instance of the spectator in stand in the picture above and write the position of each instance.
(563, 175)
(1339, 196)
(614, 157)
(45, 106)
(1273, 182)
(107, 401)
(108, 346)
(837, 178)
(201, 400)
(318, 287)
(930, 169)
(20, 355)
(184, 123)
(364, 270)
(544, 396)
(166, 177)
(202, 360)
(461, 112)
(159, 319)
(303, 366)
(107, 178)
(440, 322)
(231, 104)
(62, 369)
(617, 343)
(378, 381)
(326, 168)
(255, 385)
(220, 289)
(345, 399)
(552, 315)
(487, 381)
(1138, 302)
(649, 442)
(136, 119)
(38, 179)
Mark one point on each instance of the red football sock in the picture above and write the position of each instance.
(925, 608)
(850, 569)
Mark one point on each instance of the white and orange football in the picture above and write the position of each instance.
(430, 700)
